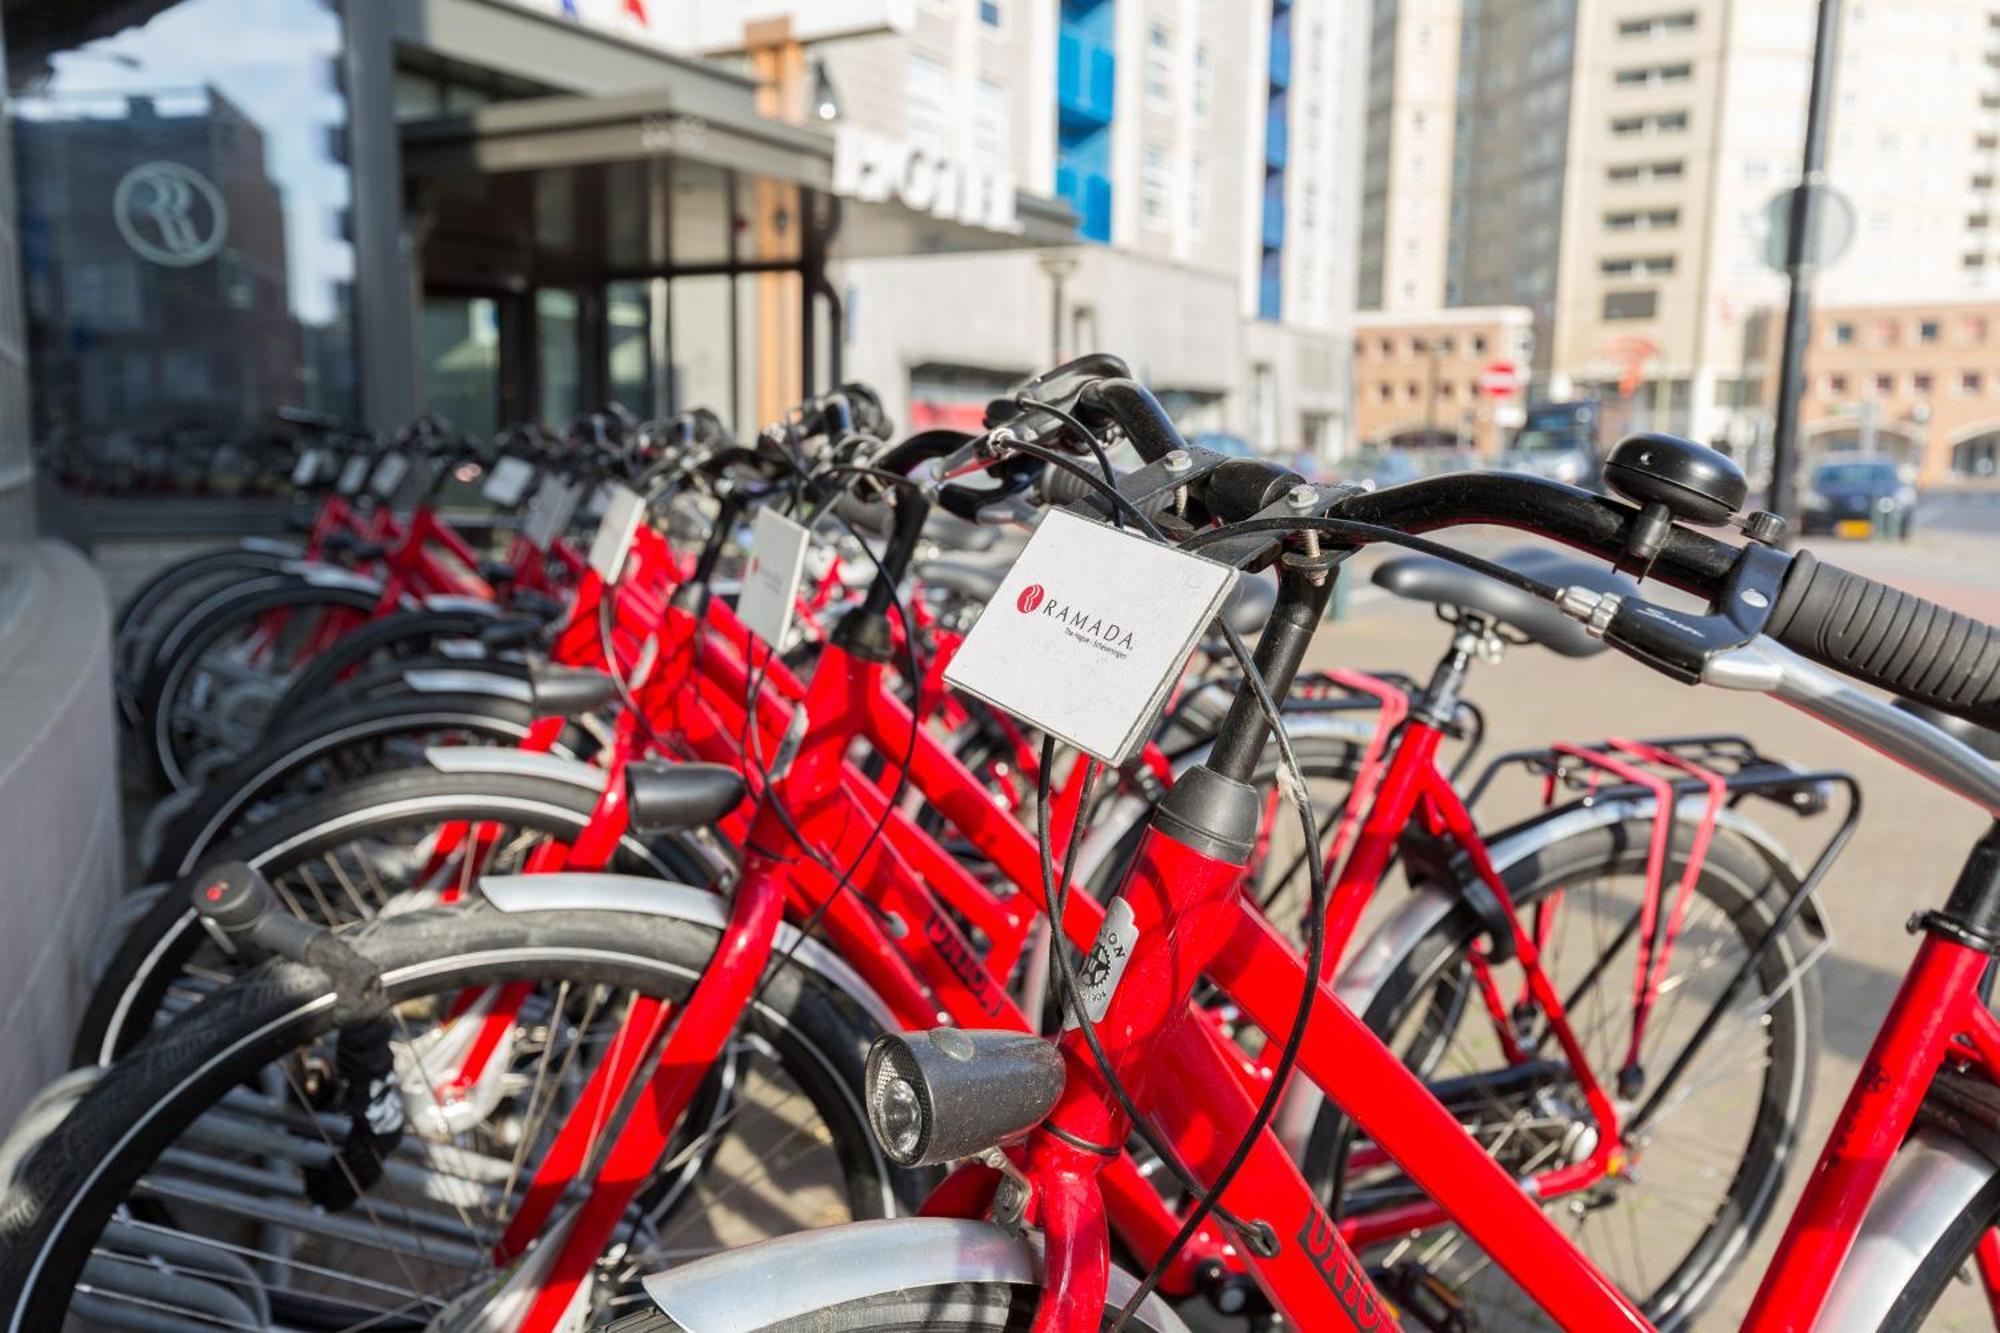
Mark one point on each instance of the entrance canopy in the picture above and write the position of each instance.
(665, 249)
(713, 126)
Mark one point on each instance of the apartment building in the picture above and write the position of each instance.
(1509, 155)
(1406, 182)
(1917, 381)
(1210, 162)
(1418, 375)
(1615, 161)
(1915, 144)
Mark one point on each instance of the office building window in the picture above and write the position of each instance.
(1159, 64)
(1885, 384)
(1843, 333)
(1155, 188)
(1204, 81)
(1631, 305)
(989, 13)
(1920, 382)
(1927, 331)
(1653, 76)
(1836, 385)
(1658, 25)
(927, 105)
(1968, 382)
(1972, 329)
(1198, 194)
(991, 144)
(182, 207)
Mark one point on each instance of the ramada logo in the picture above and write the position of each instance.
(1030, 598)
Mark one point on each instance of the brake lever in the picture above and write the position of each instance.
(1674, 643)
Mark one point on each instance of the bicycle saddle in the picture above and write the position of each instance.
(1423, 578)
(1983, 739)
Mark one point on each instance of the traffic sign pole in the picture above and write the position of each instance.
(1799, 266)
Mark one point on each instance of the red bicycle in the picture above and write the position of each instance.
(924, 935)
(1903, 1195)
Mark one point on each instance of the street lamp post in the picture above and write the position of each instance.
(1058, 264)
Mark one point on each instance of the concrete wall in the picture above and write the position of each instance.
(60, 838)
(60, 841)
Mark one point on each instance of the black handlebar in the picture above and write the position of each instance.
(1888, 638)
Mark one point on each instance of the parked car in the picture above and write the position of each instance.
(1557, 441)
(1859, 495)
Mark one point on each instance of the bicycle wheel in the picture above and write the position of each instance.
(215, 690)
(336, 746)
(228, 1172)
(341, 859)
(397, 639)
(1705, 1170)
(160, 602)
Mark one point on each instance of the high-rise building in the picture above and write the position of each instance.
(1210, 162)
(1510, 148)
(1406, 182)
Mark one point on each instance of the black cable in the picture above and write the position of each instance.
(1089, 438)
(1376, 532)
(1056, 894)
(1288, 1057)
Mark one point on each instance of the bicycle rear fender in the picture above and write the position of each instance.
(794, 1275)
(566, 891)
(521, 763)
(1370, 965)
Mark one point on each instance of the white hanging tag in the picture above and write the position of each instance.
(623, 509)
(309, 468)
(507, 482)
(389, 474)
(549, 511)
(354, 475)
(1088, 632)
(771, 578)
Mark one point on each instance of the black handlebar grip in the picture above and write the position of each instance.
(1891, 639)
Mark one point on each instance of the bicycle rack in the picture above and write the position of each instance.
(1717, 770)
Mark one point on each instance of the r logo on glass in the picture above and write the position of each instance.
(170, 214)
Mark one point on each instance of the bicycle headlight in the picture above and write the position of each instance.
(937, 1096)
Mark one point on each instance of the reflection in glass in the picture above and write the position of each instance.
(702, 374)
(181, 217)
(558, 360)
(627, 337)
(462, 361)
(698, 214)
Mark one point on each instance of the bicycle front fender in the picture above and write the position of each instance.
(573, 891)
(1930, 1182)
(795, 1275)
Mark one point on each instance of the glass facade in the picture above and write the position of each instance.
(186, 269)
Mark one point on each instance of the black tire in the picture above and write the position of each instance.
(956, 1307)
(162, 944)
(1746, 888)
(69, 1186)
(158, 602)
(172, 742)
(393, 639)
(331, 748)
